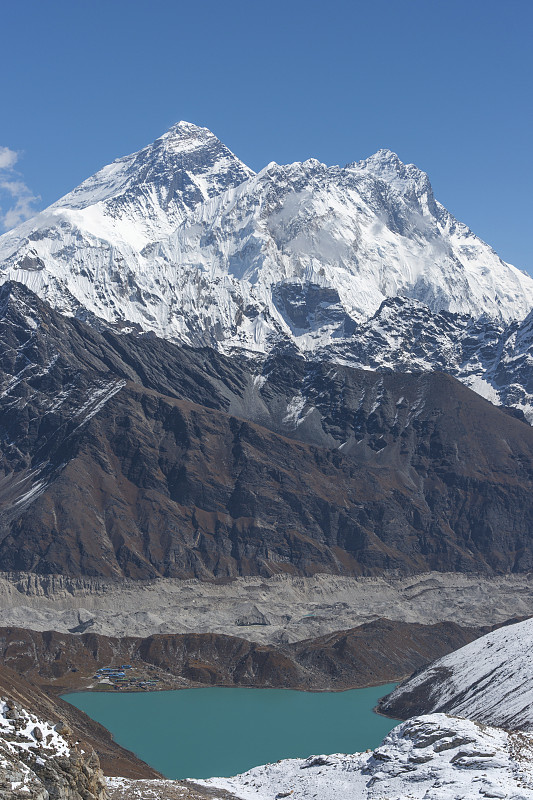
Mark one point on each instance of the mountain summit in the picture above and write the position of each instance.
(182, 239)
(186, 165)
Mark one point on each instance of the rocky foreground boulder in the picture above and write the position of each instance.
(434, 757)
(43, 761)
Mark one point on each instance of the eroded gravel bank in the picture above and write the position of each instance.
(275, 610)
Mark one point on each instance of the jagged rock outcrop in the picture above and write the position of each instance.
(370, 654)
(42, 761)
(494, 359)
(434, 757)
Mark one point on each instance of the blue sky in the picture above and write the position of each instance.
(445, 84)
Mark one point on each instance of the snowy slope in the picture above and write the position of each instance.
(489, 680)
(432, 757)
(88, 251)
(184, 240)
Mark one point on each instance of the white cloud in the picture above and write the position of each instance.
(23, 203)
(8, 158)
(20, 199)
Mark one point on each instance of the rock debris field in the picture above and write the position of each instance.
(269, 611)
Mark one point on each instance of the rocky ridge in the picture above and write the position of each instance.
(492, 358)
(370, 654)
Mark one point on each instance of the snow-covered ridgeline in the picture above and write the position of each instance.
(357, 265)
(493, 359)
(434, 757)
(489, 680)
(184, 240)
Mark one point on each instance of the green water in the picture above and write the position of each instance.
(198, 733)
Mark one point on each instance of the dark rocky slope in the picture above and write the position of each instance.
(130, 456)
(374, 653)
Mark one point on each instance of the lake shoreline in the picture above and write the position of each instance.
(241, 726)
(60, 692)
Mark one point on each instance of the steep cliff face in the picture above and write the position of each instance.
(131, 456)
(40, 760)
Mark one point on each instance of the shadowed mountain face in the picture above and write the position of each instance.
(404, 335)
(130, 456)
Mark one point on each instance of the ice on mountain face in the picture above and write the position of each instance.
(93, 239)
(186, 165)
(489, 680)
(183, 240)
(435, 757)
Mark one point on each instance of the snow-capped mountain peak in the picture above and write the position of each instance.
(185, 135)
(187, 163)
(182, 239)
(384, 163)
(406, 179)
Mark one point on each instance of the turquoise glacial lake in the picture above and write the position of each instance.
(199, 733)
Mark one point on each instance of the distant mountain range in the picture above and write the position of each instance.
(358, 265)
(202, 405)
